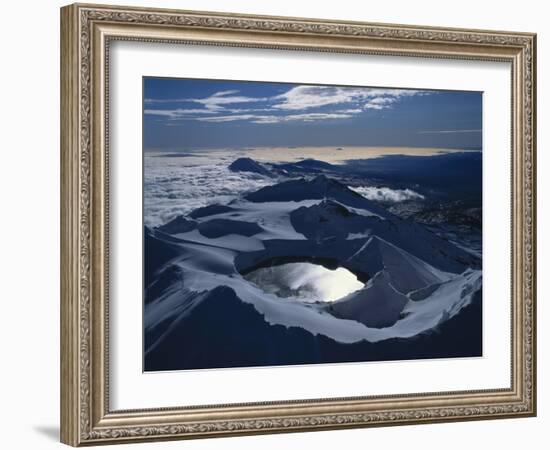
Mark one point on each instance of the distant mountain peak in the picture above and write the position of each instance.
(307, 166)
(330, 183)
(248, 165)
(320, 187)
(312, 162)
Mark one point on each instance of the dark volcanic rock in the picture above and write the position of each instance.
(209, 210)
(178, 225)
(158, 252)
(221, 227)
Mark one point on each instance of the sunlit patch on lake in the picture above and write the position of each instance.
(306, 281)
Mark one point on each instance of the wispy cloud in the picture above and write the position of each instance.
(195, 113)
(449, 131)
(254, 118)
(228, 118)
(187, 99)
(177, 113)
(213, 102)
(150, 101)
(380, 102)
(306, 97)
(216, 101)
(302, 103)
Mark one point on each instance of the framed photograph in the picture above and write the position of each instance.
(280, 224)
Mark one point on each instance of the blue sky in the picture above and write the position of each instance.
(187, 114)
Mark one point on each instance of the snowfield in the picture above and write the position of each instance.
(199, 287)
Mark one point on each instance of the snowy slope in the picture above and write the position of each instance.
(412, 280)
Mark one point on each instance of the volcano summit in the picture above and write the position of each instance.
(305, 271)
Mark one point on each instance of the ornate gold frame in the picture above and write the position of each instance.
(86, 31)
